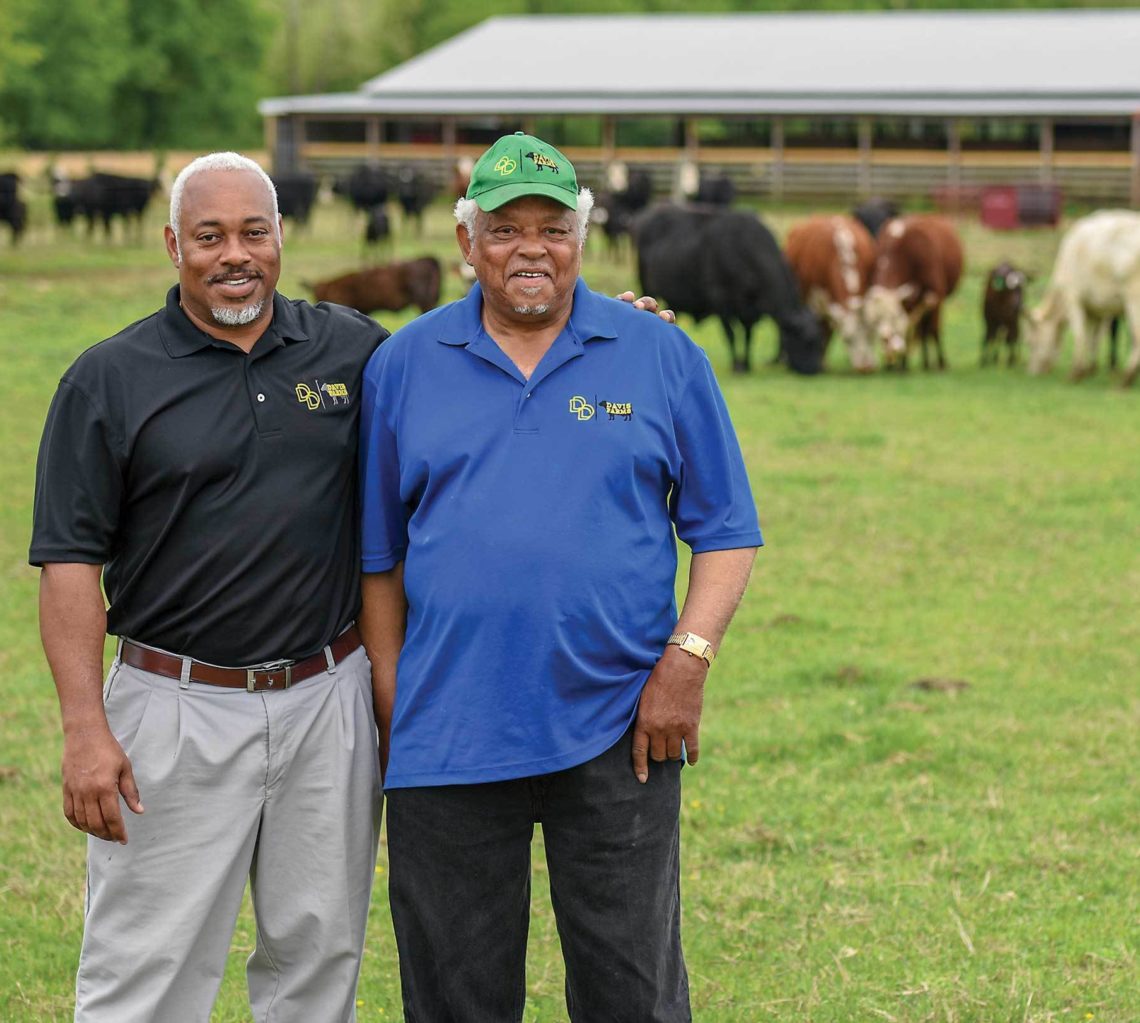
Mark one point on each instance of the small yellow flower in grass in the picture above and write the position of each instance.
(1088, 1015)
(694, 804)
(379, 869)
(360, 1003)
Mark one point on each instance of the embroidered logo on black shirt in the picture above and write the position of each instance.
(322, 395)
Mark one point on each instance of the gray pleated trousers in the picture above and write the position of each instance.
(281, 789)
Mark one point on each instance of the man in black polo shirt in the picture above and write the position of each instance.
(203, 461)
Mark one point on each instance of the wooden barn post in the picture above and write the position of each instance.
(1046, 129)
(1134, 191)
(864, 184)
(778, 159)
(954, 156)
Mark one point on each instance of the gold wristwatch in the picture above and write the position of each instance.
(693, 644)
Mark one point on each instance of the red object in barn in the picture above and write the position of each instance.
(999, 207)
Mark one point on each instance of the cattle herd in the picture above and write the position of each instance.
(876, 277)
(879, 279)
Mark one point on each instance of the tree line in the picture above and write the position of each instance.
(133, 74)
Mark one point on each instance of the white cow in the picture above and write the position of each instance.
(1096, 277)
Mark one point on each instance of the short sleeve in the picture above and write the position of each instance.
(711, 505)
(384, 517)
(79, 483)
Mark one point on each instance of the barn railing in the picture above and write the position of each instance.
(793, 173)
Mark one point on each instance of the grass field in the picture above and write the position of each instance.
(918, 797)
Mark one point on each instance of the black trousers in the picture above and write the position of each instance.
(459, 887)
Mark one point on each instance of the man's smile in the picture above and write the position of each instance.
(235, 284)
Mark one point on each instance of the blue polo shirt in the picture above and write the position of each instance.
(535, 519)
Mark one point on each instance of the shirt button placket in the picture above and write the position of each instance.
(259, 399)
(524, 416)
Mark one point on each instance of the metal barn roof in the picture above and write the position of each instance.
(938, 63)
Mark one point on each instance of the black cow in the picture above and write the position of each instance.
(1002, 307)
(414, 193)
(367, 187)
(615, 210)
(725, 263)
(376, 227)
(103, 197)
(715, 190)
(296, 193)
(13, 211)
(874, 213)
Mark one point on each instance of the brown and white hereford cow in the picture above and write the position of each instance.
(1096, 277)
(832, 258)
(918, 263)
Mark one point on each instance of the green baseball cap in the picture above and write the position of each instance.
(519, 165)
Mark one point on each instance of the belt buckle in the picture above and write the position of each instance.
(270, 667)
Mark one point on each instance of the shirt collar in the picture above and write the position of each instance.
(180, 336)
(590, 319)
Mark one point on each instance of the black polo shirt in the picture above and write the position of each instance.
(217, 488)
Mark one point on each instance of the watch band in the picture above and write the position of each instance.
(693, 644)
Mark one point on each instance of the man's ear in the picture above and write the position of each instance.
(464, 240)
(171, 245)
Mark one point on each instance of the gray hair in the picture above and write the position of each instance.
(215, 162)
(467, 209)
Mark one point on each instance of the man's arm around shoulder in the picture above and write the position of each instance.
(73, 624)
(669, 712)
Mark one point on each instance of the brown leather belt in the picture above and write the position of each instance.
(271, 675)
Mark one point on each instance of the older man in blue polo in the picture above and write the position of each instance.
(528, 456)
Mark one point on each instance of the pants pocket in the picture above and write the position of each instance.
(110, 683)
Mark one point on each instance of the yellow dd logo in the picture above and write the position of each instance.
(310, 398)
(505, 166)
(581, 408)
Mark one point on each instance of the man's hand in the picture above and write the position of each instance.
(95, 772)
(649, 304)
(670, 711)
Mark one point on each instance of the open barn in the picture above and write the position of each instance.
(802, 106)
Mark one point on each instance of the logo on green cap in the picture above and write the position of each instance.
(542, 161)
(506, 166)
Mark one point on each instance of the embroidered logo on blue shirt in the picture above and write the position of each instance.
(581, 408)
(585, 411)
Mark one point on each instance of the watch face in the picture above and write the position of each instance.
(693, 644)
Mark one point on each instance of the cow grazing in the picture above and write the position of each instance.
(1096, 277)
(874, 213)
(918, 263)
(464, 273)
(367, 187)
(1002, 307)
(831, 258)
(296, 194)
(392, 287)
(615, 208)
(414, 193)
(13, 210)
(376, 227)
(461, 177)
(725, 263)
(715, 190)
(103, 197)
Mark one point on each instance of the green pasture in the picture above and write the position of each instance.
(918, 794)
